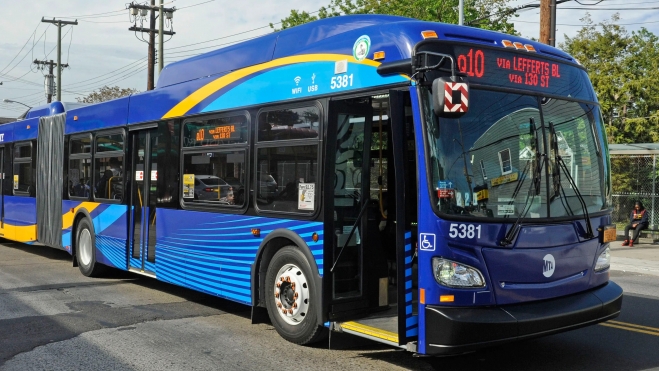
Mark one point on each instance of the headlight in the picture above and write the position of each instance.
(604, 260)
(453, 274)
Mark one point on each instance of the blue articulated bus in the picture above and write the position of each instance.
(434, 187)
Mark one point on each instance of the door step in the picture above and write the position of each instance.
(369, 332)
(144, 273)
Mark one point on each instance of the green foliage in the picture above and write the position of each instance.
(624, 70)
(487, 14)
(106, 93)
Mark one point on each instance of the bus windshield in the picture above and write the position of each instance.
(513, 155)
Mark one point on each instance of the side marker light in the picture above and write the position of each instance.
(256, 232)
(429, 34)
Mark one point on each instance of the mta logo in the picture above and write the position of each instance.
(548, 266)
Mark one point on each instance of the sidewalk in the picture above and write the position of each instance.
(642, 258)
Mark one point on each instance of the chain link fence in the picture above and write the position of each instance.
(634, 178)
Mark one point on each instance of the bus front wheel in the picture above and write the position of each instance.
(86, 250)
(290, 297)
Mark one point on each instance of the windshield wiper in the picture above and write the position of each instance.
(534, 188)
(559, 191)
(558, 160)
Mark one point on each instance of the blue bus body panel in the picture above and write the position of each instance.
(50, 109)
(99, 116)
(20, 222)
(154, 104)
(20, 210)
(219, 61)
(26, 129)
(7, 134)
(214, 253)
(109, 222)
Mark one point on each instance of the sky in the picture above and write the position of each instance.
(100, 50)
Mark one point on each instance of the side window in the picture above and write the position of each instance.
(25, 158)
(286, 172)
(108, 176)
(215, 175)
(80, 167)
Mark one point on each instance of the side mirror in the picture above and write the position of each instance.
(450, 97)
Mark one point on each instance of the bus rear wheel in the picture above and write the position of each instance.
(86, 250)
(290, 297)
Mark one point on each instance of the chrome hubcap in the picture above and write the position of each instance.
(291, 292)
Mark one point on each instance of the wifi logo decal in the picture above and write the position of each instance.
(297, 80)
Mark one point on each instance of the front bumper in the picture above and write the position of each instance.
(459, 330)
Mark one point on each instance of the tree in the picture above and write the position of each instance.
(624, 70)
(106, 93)
(487, 14)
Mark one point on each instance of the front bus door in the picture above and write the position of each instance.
(354, 266)
(142, 225)
(370, 214)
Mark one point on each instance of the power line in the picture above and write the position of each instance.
(190, 6)
(581, 8)
(33, 34)
(5, 73)
(598, 25)
(105, 74)
(89, 15)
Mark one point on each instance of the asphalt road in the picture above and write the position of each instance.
(53, 318)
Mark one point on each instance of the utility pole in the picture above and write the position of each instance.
(552, 34)
(161, 25)
(59, 23)
(142, 10)
(48, 82)
(545, 21)
(548, 21)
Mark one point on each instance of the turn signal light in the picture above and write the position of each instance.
(446, 299)
(256, 232)
(378, 56)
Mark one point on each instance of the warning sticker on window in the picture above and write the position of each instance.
(306, 196)
(188, 185)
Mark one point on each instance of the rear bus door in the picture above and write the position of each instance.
(142, 201)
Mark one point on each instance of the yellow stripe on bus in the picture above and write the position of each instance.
(28, 233)
(23, 233)
(372, 331)
(207, 90)
(67, 217)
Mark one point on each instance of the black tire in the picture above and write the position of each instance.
(86, 250)
(301, 325)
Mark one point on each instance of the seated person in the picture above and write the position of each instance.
(638, 220)
(102, 184)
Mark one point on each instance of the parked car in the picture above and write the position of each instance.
(212, 188)
(268, 187)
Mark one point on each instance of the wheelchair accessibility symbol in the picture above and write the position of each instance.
(427, 242)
